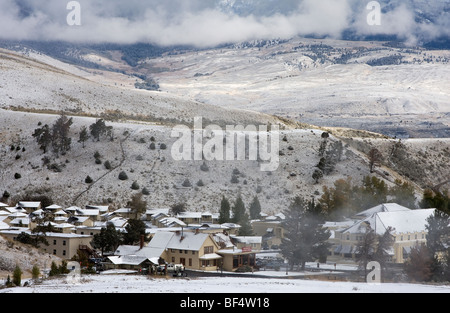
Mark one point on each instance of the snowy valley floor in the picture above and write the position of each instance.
(217, 285)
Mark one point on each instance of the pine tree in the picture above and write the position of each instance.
(108, 239)
(17, 276)
(419, 265)
(403, 193)
(224, 214)
(60, 134)
(255, 209)
(246, 228)
(84, 136)
(133, 232)
(238, 210)
(43, 137)
(305, 239)
(35, 272)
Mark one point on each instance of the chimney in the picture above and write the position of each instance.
(141, 242)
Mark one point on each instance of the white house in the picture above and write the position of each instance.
(409, 229)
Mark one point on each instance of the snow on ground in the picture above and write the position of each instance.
(217, 285)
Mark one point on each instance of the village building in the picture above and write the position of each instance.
(62, 245)
(408, 230)
(270, 228)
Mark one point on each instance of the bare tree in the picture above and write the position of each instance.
(375, 158)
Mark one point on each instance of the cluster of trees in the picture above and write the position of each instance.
(346, 198)
(431, 261)
(436, 199)
(238, 214)
(57, 136)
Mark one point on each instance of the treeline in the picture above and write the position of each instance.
(238, 214)
(347, 198)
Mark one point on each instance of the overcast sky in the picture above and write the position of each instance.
(200, 22)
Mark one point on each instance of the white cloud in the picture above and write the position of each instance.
(194, 22)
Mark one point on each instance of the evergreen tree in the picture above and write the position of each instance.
(84, 135)
(35, 272)
(255, 209)
(133, 232)
(99, 128)
(224, 214)
(403, 194)
(438, 243)
(246, 228)
(43, 137)
(17, 276)
(238, 210)
(420, 263)
(305, 239)
(108, 239)
(60, 134)
(53, 269)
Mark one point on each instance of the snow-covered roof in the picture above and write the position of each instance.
(20, 221)
(385, 207)
(157, 210)
(88, 212)
(171, 221)
(17, 231)
(172, 240)
(53, 207)
(29, 204)
(410, 221)
(127, 259)
(101, 208)
(248, 239)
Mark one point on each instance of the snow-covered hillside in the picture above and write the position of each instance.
(33, 89)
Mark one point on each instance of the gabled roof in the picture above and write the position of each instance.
(29, 204)
(186, 241)
(385, 207)
(410, 221)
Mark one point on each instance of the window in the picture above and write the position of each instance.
(190, 262)
(54, 241)
(173, 259)
(64, 252)
(64, 242)
(209, 249)
(193, 252)
(54, 251)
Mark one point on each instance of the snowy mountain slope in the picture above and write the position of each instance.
(30, 90)
(323, 82)
(30, 84)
